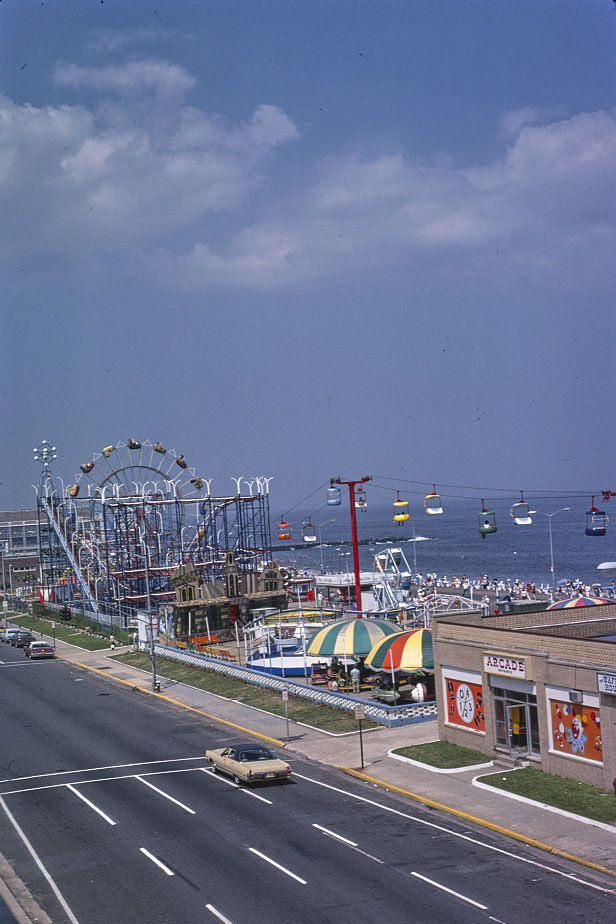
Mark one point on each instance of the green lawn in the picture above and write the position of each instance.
(63, 631)
(443, 754)
(579, 798)
(321, 717)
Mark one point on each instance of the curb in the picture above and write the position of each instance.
(422, 766)
(507, 832)
(544, 805)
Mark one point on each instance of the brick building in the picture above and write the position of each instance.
(536, 685)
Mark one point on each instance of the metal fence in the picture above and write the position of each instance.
(377, 712)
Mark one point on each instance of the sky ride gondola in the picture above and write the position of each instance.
(487, 521)
(309, 532)
(361, 502)
(401, 510)
(596, 520)
(433, 502)
(284, 529)
(333, 496)
(520, 512)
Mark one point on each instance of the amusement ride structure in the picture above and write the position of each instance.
(135, 512)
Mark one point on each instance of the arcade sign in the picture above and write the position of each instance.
(504, 665)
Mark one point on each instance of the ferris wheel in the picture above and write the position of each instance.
(138, 471)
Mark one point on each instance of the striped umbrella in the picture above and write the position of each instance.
(349, 637)
(578, 601)
(406, 651)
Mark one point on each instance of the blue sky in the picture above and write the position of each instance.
(311, 239)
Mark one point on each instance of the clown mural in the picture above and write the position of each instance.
(576, 730)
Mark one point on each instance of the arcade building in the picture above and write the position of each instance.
(536, 686)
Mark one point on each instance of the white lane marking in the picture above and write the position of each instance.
(39, 863)
(220, 777)
(166, 795)
(464, 837)
(217, 914)
(154, 859)
(100, 779)
(141, 763)
(277, 865)
(450, 891)
(91, 804)
(338, 837)
(255, 795)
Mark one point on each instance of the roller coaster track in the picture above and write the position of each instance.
(66, 548)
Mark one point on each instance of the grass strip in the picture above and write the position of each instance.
(443, 755)
(64, 632)
(568, 795)
(323, 717)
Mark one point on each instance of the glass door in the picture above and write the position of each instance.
(517, 728)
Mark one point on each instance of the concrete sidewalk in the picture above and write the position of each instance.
(558, 833)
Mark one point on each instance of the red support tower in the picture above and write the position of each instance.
(351, 487)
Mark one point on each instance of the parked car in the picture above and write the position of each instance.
(247, 763)
(21, 639)
(7, 634)
(39, 650)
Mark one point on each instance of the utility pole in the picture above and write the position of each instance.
(351, 487)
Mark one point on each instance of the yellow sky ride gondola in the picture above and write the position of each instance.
(401, 510)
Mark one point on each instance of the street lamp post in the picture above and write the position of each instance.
(319, 525)
(4, 548)
(149, 605)
(549, 519)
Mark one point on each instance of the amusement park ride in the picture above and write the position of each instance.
(135, 512)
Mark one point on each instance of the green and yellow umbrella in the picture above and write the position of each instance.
(406, 651)
(349, 637)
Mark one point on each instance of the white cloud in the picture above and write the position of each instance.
(139, 76)
(145, 175)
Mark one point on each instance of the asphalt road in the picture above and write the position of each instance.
(109, 813)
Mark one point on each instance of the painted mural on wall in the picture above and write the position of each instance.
(576, 730)
(464, 702)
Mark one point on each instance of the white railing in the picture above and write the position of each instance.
(377, 712)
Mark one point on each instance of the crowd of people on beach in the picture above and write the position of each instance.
(506, 588)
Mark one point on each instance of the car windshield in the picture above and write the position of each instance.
(39, 645)
(255, 754)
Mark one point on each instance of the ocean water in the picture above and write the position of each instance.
(450, 544)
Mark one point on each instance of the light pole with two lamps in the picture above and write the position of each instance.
(549, 519)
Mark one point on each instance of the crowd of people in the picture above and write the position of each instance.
(503, 588)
